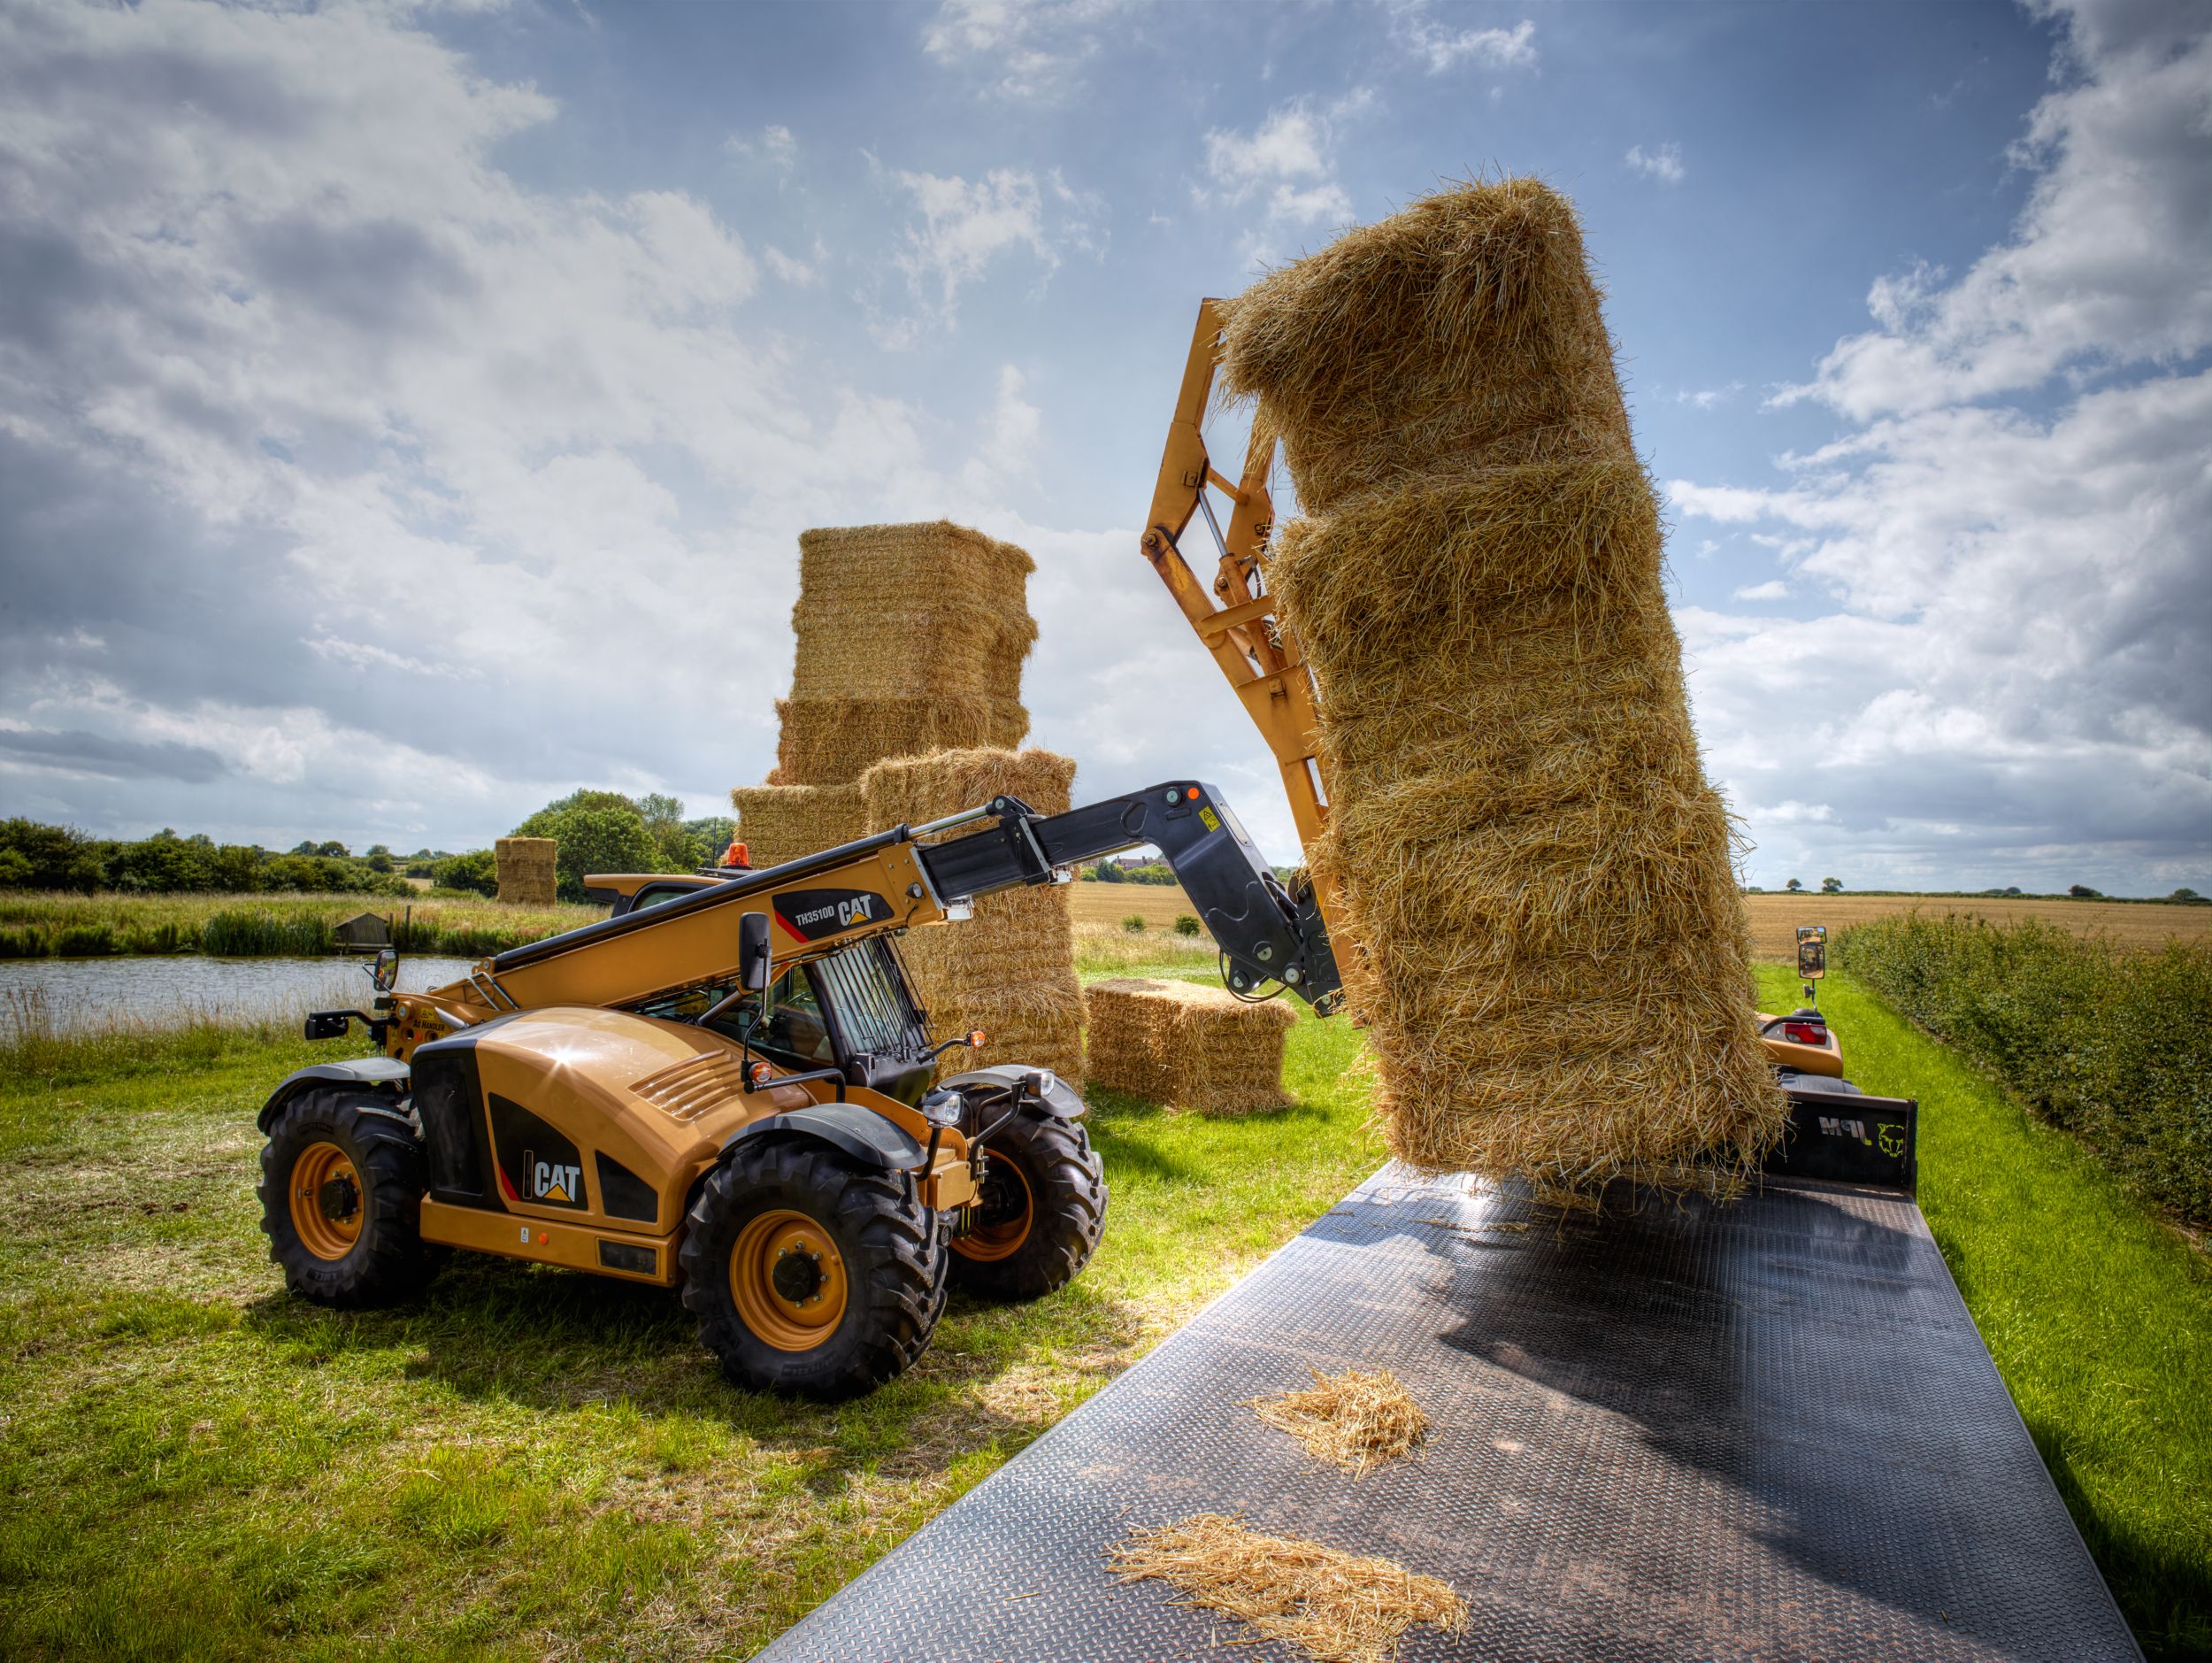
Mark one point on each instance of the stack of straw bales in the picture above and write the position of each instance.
(1010, 970)
(527, 876)
(910, 641)
(1551, 957)
(1186, 1046)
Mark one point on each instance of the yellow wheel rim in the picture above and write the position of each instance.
(1013, 1210)
(327, 1202)
(787, 1281)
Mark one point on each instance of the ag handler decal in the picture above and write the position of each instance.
(810, 914)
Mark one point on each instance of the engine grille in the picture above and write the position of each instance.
(692, 1089)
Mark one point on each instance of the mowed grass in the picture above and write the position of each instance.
(523, 1462)
(2099, 1316)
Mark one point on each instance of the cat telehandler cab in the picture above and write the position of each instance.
(726, 1086)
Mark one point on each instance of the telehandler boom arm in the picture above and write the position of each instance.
(1235, 616)
(893, 880)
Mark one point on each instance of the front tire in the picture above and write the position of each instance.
(1041, 1214)
(812, 1275)
(341, 1186)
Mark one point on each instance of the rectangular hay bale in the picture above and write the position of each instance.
(1009, 970)
(1542, 930)
(834, 740)
(778, 823)
(528, 870)
(1186, 1046)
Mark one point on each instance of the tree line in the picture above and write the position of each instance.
(597, 831)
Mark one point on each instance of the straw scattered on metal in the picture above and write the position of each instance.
(1355, 1419)
(1334, 1607)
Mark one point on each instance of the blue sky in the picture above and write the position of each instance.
(407, 412)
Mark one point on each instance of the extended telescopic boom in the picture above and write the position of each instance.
(893, 880)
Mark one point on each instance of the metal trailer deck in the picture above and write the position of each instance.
(1768, 1430)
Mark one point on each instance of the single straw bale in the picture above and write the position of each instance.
(781, 822)
(834, 740)
(1009, 969)
(931, 609)
(528, 870)
(1533, 878)
(1467, 328)
(1335, 1606)
(1186, 1046)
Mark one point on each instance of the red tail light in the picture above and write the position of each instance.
(1805, 1033)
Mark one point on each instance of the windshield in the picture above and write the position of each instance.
(862, 985)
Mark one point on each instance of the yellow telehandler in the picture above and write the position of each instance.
(726, 1086)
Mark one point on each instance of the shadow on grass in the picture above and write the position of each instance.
(2150, 1580)
(493, 1331)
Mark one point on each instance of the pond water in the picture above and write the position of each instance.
(73, 995)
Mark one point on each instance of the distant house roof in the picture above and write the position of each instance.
(364, 929)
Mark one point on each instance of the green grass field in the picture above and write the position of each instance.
(529, 1463)
(2098, 1314)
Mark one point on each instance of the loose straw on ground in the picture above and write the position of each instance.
(1334, 1607)
(1357, 1421)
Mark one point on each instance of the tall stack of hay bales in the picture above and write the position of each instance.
(527, 872)
(910, 640)
(1010, 970)
(1550, 953)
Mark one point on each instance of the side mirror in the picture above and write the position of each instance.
(752, 951)
(384, 969)
(1812, 951)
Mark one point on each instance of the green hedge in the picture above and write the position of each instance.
(2115, 1045)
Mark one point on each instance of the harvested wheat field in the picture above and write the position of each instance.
(1158, 905)
(1335, 1606)
(2144, 924)
(1185, 1046)
(1356, 1419)
(1010, 970)
(1554, 969)
(781, 822)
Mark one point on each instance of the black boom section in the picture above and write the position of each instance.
(1240, 900)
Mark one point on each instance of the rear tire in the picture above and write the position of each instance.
(342, 1185)
(1042, 1213)
(810, 1275)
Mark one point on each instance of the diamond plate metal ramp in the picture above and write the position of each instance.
(1767, 1431)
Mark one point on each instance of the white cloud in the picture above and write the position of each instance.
(294, 339)
(1772, 590)
(1287, 165)
(1707, 397)
(800, 273)
(1414, 27)
(2014, 685)
(961, 227)
(1028, 51)
(1662, 163)
(2107, 265)
(774, 144)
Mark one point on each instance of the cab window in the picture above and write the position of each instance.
(796, 1033)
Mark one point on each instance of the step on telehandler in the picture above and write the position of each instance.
(725, 1087)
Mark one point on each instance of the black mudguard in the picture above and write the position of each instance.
(363, 1073)
(1059, 1101)
(863, 1134)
